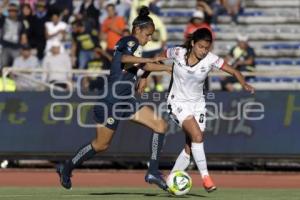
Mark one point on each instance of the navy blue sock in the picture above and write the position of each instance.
(84, 153)
(156, 144)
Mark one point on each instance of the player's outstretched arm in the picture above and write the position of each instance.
(154, 67)
(134, 59)
(227, 68)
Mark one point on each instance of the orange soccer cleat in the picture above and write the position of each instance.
(208, 184)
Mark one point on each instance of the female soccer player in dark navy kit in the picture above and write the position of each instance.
(119, 100)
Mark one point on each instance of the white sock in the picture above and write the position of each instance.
(199, 157)
(182, 161)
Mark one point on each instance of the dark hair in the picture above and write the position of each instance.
(26, 5)
(142, 20)
(200, 34)
(110, 5)
(54, 11)
(78, 23)
(13, 6)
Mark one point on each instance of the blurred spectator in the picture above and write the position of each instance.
(31, 3)
(84, 43)
(100, 61)
(122, 8)
(219, 7)
(90, 13)
(196, 22)
(26, 60)
(10, 84)
(5, 4)
(59, 66)
(206, 9)
(126, 32)
(62, 6)
(241, 57)
(28, 22)
(38, 38)
(13, 35)
(233, 8)
(155, 47)
(154, 7)
(55, 31)
(112, 27)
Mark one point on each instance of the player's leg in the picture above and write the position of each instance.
(102, 141)
(184, 158)
(105, 127)
(148, 118)
(192, 129)
(178, 113)
(103, 138)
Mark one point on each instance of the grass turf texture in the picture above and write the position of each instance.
(144, 193)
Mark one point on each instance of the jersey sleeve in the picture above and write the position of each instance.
(216, 61)
(172, 53)
(127, 45)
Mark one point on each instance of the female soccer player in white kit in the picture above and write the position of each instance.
(186, 103)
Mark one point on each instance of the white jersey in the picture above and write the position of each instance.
(187, 81)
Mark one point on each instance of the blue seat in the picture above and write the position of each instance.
(216, 29)
(284, 62)
(215, 79)
(297, 62)
(262, 79)
(285, 79)
(175, 30)
(263, 61)
(281, 46)
(251, 13)
(177, 14)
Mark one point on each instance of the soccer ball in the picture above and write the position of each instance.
(179, 183)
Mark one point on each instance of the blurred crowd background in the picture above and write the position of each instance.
(60, 35)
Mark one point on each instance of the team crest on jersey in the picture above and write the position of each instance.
(179, 110)
(110, 121)
(177, 51)
(131, 43)
(217, 63)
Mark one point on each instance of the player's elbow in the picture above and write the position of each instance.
(147, 67)
(126, 59)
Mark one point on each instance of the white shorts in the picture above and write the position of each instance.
(180, 111)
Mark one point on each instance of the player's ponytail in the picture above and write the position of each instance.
(200, 34)
(142, 20)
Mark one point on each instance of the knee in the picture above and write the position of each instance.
(198, 138)
(100, 147)
(161, 126)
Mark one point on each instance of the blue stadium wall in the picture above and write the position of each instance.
(28, 131)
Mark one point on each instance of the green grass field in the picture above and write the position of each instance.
(141, 194)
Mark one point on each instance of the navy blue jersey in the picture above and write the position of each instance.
(120, 74)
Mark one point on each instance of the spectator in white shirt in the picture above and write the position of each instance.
(26, 61)
(58, 65)
(55, 31)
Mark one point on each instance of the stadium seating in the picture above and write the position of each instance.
(272, 26)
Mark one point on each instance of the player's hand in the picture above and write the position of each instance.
(169, 70)
(249, 88)
(158, 59)
(142, 84)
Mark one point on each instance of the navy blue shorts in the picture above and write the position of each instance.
(110, 114)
